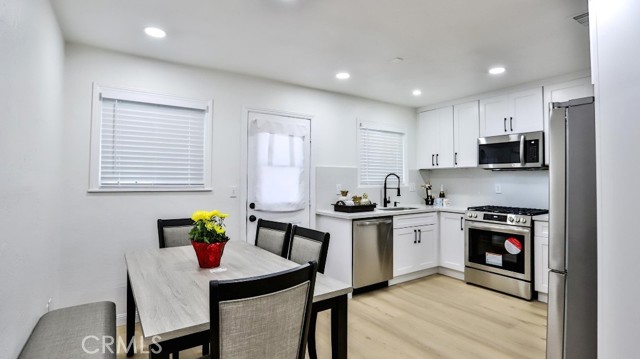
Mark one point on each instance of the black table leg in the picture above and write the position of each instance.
(131, 319)
(157, 352)
(339, 327)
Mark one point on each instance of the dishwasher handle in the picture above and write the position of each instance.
(373, 222)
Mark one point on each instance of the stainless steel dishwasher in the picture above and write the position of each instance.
(372, 251)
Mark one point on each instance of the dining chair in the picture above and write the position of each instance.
(273, 236)
(310, 245)
(174, 232)
(262, 317)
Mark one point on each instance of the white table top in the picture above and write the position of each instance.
(172, 292)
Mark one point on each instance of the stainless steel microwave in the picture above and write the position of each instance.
(514, 151)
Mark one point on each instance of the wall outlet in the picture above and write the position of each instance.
(234, 192)
(498, 188)
(49, 304)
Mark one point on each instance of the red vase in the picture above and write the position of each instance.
(209, 255)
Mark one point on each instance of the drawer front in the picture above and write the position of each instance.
(412, 220)
(541, 229)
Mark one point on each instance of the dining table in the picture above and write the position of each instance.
(171, 294)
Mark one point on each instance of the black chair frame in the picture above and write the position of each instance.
(279, 226)
(162, 223)
(322, 237)
(220, 291)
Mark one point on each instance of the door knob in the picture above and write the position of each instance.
(252, 205)
(252, 218)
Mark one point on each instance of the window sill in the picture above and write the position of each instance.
(142, 190)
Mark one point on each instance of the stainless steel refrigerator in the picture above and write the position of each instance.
(572, 308)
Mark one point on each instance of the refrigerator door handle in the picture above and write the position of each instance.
(557, 190)
(556, 315)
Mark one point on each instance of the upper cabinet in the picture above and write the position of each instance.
(448, 137)
(465, 134)
(516, 112)
(435, 138)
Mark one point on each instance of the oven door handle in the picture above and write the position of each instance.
(498, 227)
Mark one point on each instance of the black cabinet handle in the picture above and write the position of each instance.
(511, 123)
(420, 235)
(432, 164)
(505, 124)
(415, 236)
(455, 158)
(252, 218)
(437, 163)
(461, 225)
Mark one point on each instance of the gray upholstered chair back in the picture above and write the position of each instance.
(309, 245)
(174, 232)
(273, 237)
(268, 326)
(262, 317)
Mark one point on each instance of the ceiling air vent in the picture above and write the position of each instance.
(582, 19)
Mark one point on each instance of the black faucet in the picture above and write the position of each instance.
(386, 201)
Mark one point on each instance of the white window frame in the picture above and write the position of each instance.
(382, 127)
(153, 98)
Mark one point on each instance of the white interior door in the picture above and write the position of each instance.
(278, 167)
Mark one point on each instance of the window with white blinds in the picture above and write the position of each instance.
(381, 152)
(149, 142)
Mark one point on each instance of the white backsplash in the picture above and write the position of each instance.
(328, 177)
(474, 187)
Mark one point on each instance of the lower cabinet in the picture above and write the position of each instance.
(415, 243)
(452, 241)
(541, 257)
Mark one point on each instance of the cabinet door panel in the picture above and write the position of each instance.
(404, 247)
(493, 115)
(426, 253)
(445, 138)
(452, 241)
(541, 264)
(527, 113)
(465, 134)
(427, 141)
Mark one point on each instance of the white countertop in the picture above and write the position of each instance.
(541, 217)
(418, 208)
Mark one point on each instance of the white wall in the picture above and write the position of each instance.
(31, 67)
(615, 31)
(99, 228)
(476, 187)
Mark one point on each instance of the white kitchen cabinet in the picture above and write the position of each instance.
(517, 112)
(435, 138)
(448, 137)
(452, 241)
(415, 243)
(466, 128)
(541, 258)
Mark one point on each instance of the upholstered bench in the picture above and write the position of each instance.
(83, 331)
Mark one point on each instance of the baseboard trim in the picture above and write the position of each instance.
(451, 273)
(543, 297)
(414, 275)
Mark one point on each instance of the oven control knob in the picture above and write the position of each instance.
(469, 215)
(510, 219)
(524, 220)
(517, 220)
(475, 215)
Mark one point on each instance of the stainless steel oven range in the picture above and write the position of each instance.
(498, 245)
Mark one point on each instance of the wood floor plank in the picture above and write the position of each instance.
(434, 317)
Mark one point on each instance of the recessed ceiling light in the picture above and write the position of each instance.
(155, 32)
(497, 70)
(417, 92)
(342, 75)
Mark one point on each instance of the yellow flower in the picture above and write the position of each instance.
(224, 215)
(219, 229)
(213, 213)
(209, 226)
(199, 215)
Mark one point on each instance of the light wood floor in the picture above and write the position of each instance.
(434, 317)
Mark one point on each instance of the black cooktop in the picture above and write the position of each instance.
(510, 210)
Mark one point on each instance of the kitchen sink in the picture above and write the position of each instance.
(395, 208)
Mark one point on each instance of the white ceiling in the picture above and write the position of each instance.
(447, 45)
